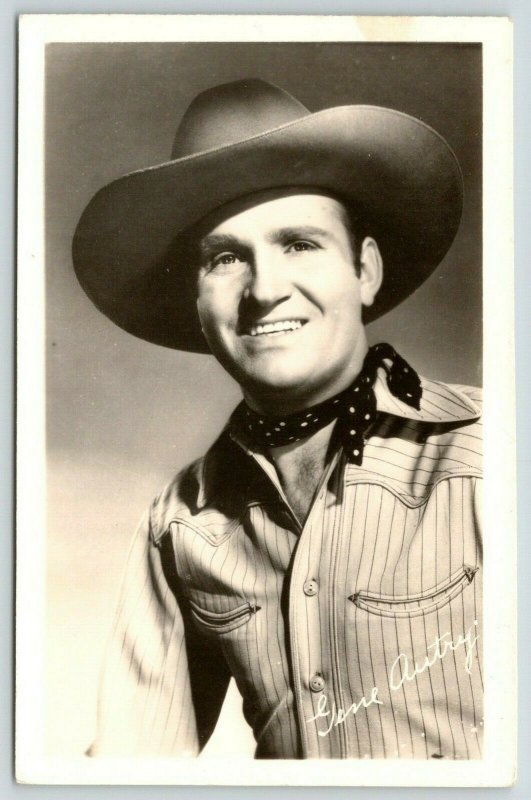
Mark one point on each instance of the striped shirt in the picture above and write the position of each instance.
(356, 635)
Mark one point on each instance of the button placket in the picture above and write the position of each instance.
(304, 615)
(309, 661)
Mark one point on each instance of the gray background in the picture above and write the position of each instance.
(521, 131)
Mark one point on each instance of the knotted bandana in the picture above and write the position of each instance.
(354, 408)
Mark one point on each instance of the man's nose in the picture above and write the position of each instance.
(268, 282)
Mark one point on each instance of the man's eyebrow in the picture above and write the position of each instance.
(298, 232)
(216, 241)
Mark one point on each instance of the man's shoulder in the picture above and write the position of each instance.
(415, 449)
(178, 497)
(455, 433)
(186, 495)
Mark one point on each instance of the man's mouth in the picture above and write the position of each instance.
(274, 328)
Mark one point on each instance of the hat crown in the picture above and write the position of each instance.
(233, 112)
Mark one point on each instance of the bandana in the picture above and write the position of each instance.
(354, 408)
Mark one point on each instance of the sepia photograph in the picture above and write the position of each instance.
(262, 351)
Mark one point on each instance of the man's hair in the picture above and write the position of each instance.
(356, 229)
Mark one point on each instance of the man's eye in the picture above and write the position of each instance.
(301, 246)
(224, 260)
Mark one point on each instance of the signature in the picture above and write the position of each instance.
(339, 715)
(403, 669)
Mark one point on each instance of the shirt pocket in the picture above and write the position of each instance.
(416, 605)
(218, 622)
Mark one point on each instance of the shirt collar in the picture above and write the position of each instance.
(230, 476)
(229, 472)
(440, 402)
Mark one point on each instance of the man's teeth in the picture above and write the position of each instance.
(276, 327)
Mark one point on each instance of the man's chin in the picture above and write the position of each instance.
(278, 386)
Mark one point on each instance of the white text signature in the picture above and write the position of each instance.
(402, 670)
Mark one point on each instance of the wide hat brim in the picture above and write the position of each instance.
(399, 173)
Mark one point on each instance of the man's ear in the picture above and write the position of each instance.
(371, 273)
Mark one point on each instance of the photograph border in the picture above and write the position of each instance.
(497, 766)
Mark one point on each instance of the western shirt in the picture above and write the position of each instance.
(355, 635)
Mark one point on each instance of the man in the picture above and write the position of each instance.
(325, 551)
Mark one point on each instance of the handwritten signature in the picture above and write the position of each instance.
(403, 669)
(339, 715)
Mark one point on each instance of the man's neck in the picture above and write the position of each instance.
(300, 466)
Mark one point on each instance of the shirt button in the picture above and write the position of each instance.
(310, 588)
(317, 683)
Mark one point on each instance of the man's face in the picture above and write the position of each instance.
(278, 296)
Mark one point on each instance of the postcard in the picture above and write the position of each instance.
(265, 349)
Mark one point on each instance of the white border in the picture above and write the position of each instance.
(498, 765)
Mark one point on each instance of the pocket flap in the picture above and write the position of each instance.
(415, 604)
(224, 621)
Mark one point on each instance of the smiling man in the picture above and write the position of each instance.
(326, 550)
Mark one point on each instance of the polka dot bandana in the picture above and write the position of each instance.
(354, 408)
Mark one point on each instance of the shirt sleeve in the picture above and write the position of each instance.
(162, 687)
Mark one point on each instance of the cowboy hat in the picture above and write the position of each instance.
(249, 136)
